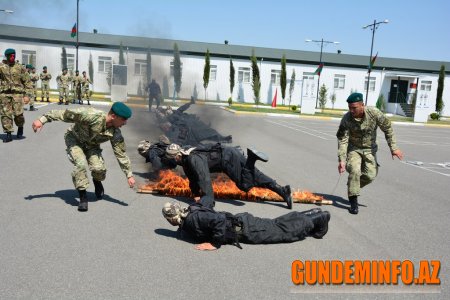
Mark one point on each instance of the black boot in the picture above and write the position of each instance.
(256, 155)
(89, 103)
(83, 205)
(42, 99)
(320, 221)
(8, 138)
(284, 192)
(99, 190)
(311, 211)
(19, 133)
(48, 99)
(353, 205)
(32, 108)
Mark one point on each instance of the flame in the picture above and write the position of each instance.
(170, 183)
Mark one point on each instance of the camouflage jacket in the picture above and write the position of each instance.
(15, 79)
(63, 80)
(76, 81)
(34, 79)
(90, 130)
(45, 77)
(85, 81)
(362, 134)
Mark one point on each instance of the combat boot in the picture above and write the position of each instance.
(60, 102)
(99, 190)
(89, 103)
(320, 221)
(311, 211)
(83, 205)
(353, 205)
(48, 99)
(32, 108)
(8, 138)
(19, 133)
(257, 155)
(284, 192)
(42, 99)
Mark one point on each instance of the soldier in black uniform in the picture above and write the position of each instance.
(199, 162)
(155, 153)
(213, 229)
(187, 129)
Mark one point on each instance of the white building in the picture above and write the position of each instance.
(396, 79)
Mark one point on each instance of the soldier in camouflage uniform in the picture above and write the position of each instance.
(76, 87)
(63, 80)
(45, 84)
(85, 81)
(15, 89)
(34, 77)
(357, 145)
(91, 128)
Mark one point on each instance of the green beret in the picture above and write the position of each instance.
(10, 51)
(44, 67)
(120, 109)
(355, 97)
(29, 66)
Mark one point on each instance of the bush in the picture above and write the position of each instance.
(435, 116)
(230, 101)
(294, 107)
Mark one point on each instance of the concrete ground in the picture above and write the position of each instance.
(124, 249)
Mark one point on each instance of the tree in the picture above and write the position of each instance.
(291, 86)
(256, 81)
(440, 90)
(283, 79)
(63, 58)
(206, 71)
(232, 73)
(109, 75)
(149, 66)
(380, 103)
(176, 68)
(333, 99)
(91, 68)
(323, 96)
(121, 56)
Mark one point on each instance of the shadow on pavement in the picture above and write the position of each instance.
(71, 197)
(338, 201)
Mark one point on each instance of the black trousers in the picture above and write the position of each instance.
(287, 228)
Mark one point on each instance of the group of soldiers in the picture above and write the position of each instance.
(76, 85)
(184, 146)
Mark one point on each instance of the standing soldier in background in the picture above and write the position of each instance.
(14, 90)
(154, 92)
(63, 81)
(91, 128)
(45, 84)
(34, 77)
(76, 87)
(357, 141)
(85, 81)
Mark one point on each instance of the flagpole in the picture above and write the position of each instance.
(320, 62)
(78, 32)
(374, 27)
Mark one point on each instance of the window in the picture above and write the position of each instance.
(29, 57)
(275, 77)
(140, 67)
(212, 72)
(171, 68)
(244, 75)
(425, 85)
(371, 84)
(70, 62)
(104, 64)
(339, 81)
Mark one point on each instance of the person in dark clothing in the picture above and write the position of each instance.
(187, 129)
(213, 229)
(155, 153)
(154, 92)
(199, 162)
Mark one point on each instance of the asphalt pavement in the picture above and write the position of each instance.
(123, 248)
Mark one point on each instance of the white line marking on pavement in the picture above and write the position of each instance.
(296, 129)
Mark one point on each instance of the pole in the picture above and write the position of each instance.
(318, 79)
(370, 59)
(78, 33)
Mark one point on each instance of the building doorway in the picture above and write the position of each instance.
(398, 92)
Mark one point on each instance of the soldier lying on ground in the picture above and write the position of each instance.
(91, 128)
(199, 162)
(187, 129)
(155, 153)
(213, 229)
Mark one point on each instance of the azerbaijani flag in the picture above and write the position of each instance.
(74, 30)
(372, 61)
(319, 70)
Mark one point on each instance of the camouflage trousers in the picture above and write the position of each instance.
(362, 168)
(45, 90)
(33, 96)
(81, 158)
(11, 111)
(85, 94)
(64, 94)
